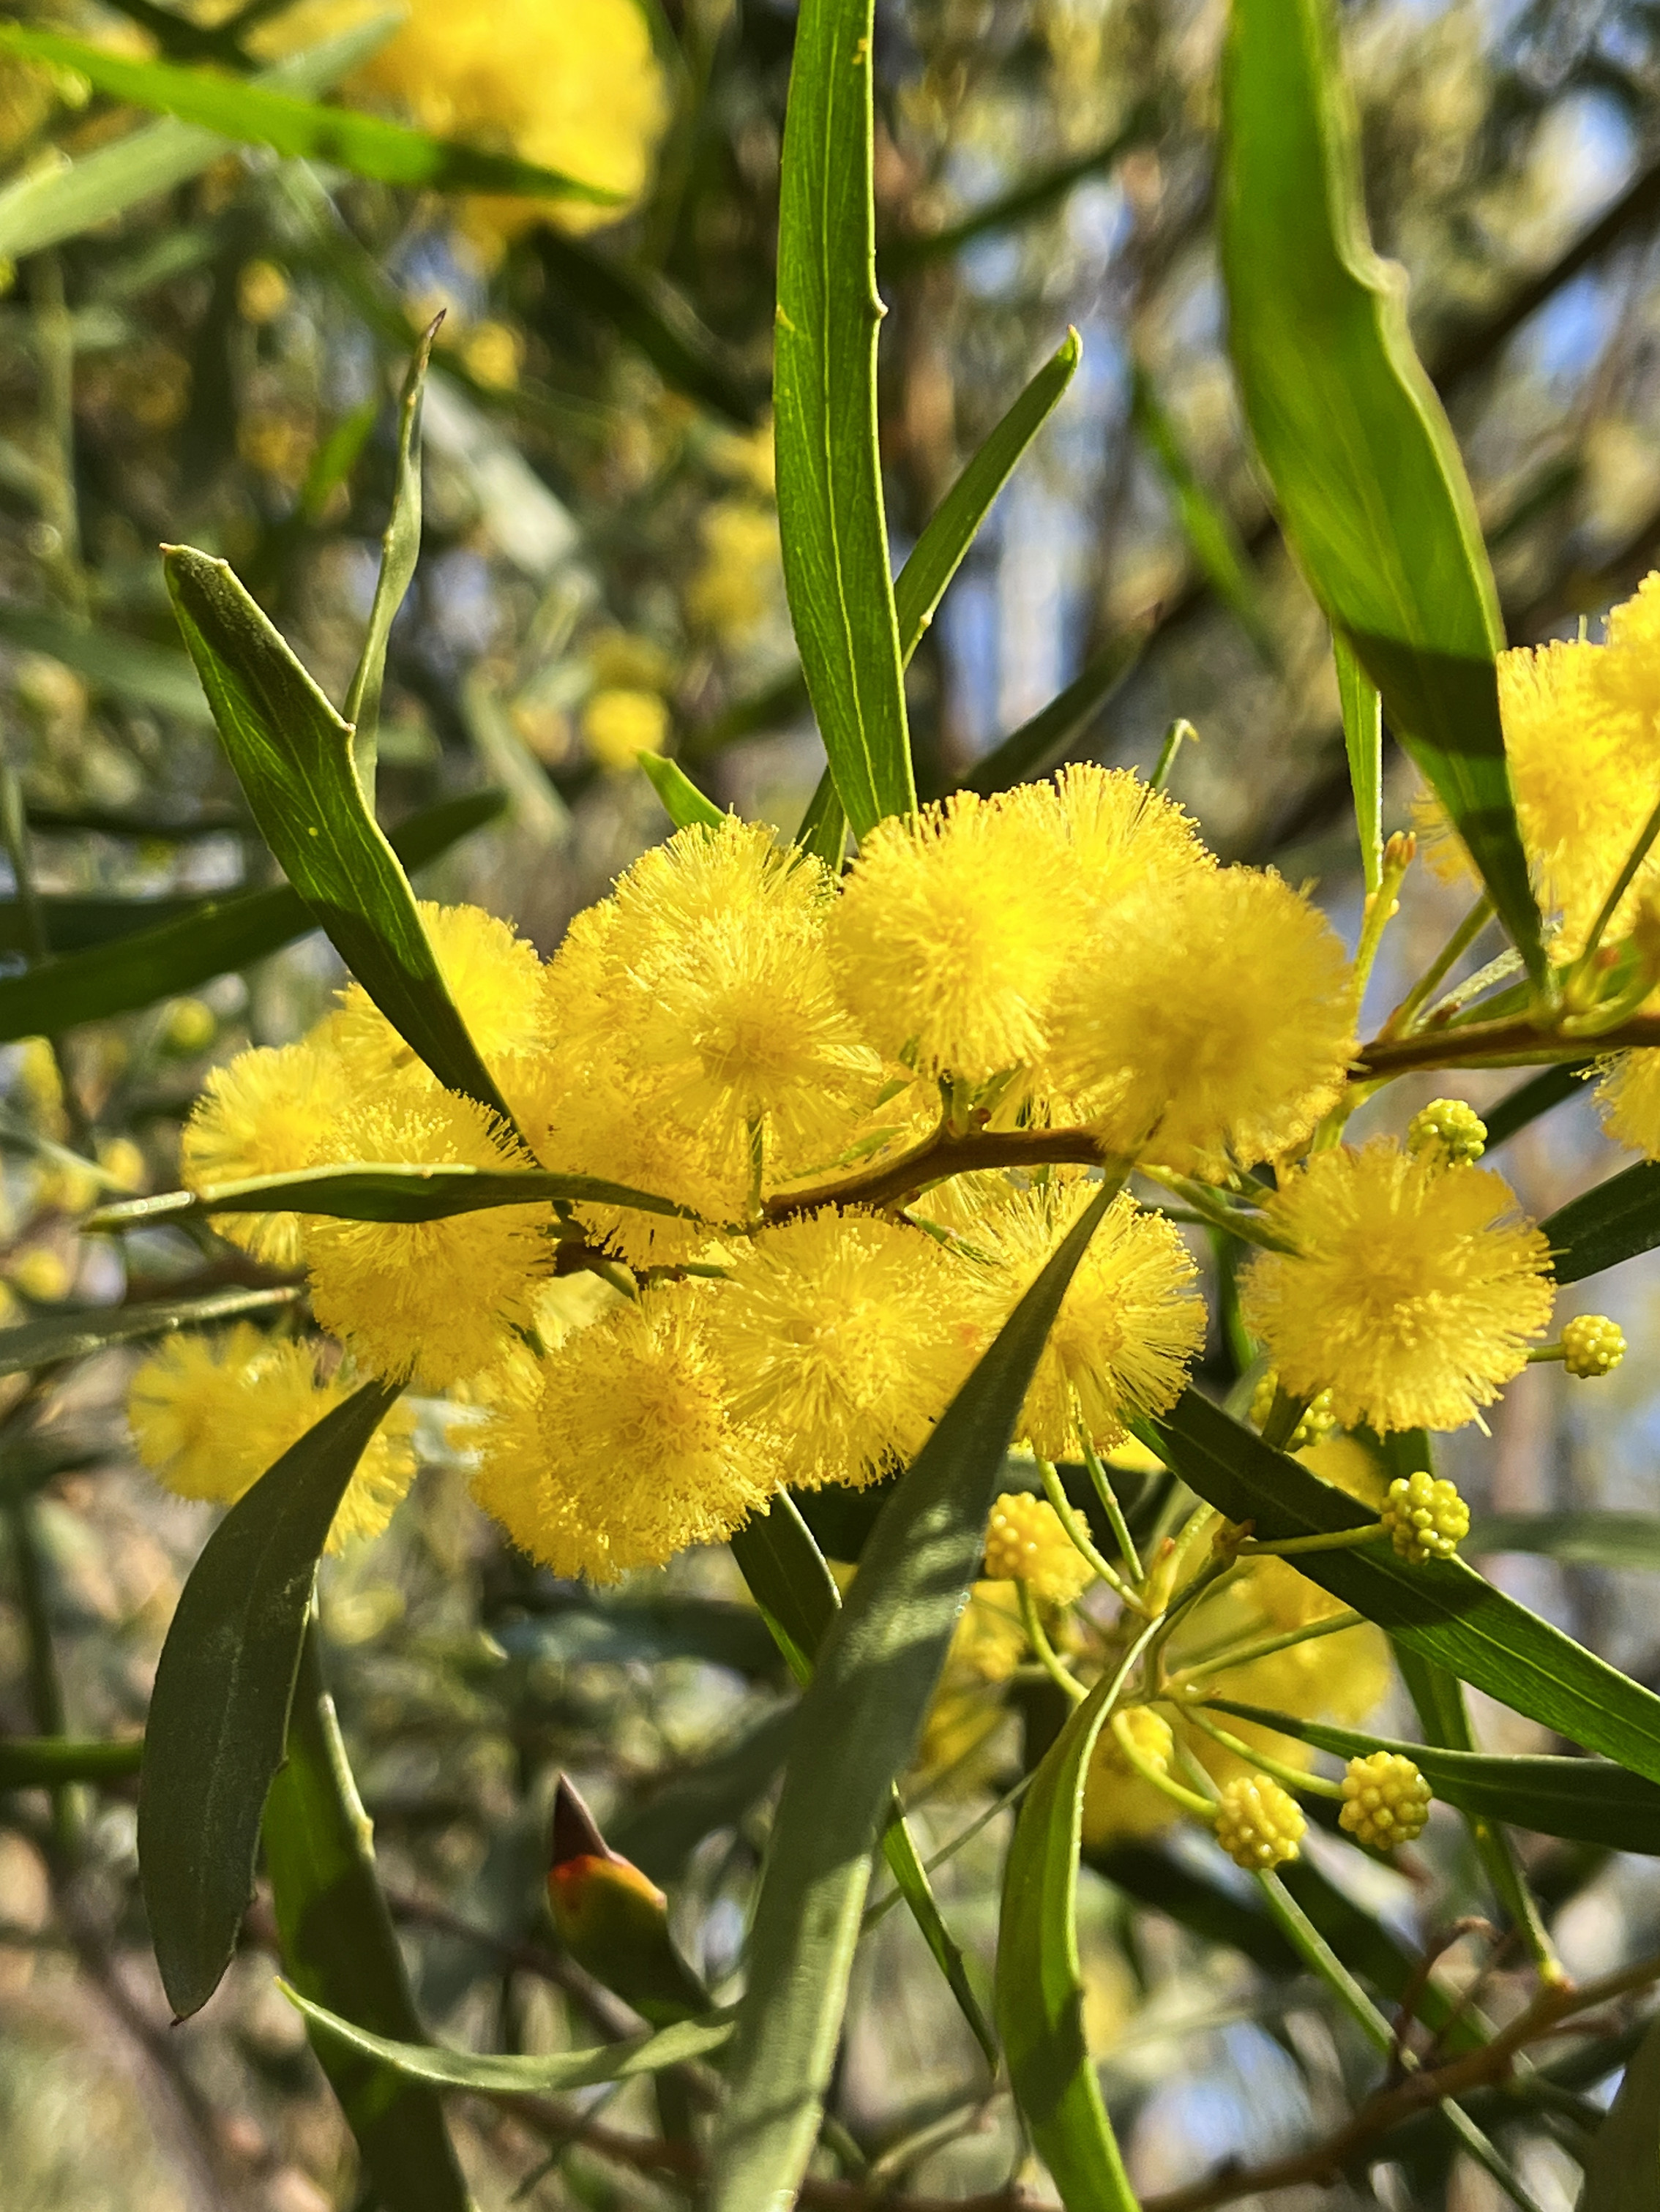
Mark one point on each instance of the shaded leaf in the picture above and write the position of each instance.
(339, 1948)
(861, 1716)
(72, 924)
(1615, 1221)
(1588, 1539)
(1368, 480)
(394, 1191)
(1552, 1086)
(292, 754)
(1036, 746)
(685, 805)
(1363, 741)
(49, 1761)
(1206, 524)
(575, 1625)
(831, 511)
(129, 667)
(62, 1336)
(1622, 2174)
(1444, 1610)
(489, 2077)
(217, 936)
(223, 1686)
(254, 114)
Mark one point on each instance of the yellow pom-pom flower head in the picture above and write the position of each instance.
(1424, 1518)
(1213, 1020)
(1119, 1802)
(1412, 1290)
(1592, 1345)
(1259, 1825)
(1628, 1099)
(1386, 1801)
(427, 1300)
(209, 1415)
(1129, 1324)
(264, 1113)
(620, 1449)
(848, 1336)
(1026, 1543)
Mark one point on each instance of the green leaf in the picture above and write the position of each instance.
(1552, 1086)
(1622, 2174)
(223, 1687)
(1579, 1540)
(1444, 1611)
(661, 1833)
(60, 198)
(217, 936)
(1040, 1977)
(391, 1193)
(685, 805)
(340, 1950)
(46, 1762)
(831, 511)
(240, 109)
(1036, 746)
(129, 667)
(400, 549)
(64, 1336)
(1369, 486)
(1205, 523)
(71, 924)
(1363, 741)
(1614, 1221)
(861, 1716)
(1585, 1801)
(487, 2076)
(292, 754)
(823, 829)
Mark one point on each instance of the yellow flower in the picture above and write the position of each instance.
(427, 1300)
(617, 726)
(740, 581)
(848, 1336)
(1413, 1291)
(1216, 1012)
(1628, 1099)
(1117, 832)
(1258, 1824)
(209, 1415)
(945, 939)
(988, 1641)
(621, 1448)
(264, 1113)
(1127, 1327)
(1025, 1542)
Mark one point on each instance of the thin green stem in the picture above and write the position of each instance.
(1294, 1778)
(1189, 1799)
(1223, 1659)
(1622, 884)
(1280, 1427)
(1048, 1658)
(1179, 734)
(946, 1852)
(1078, 1536)
(1111, 1507)
(45, 1685)
(1286, 1547)
(1249, 1228)
(1380, 907)
(1456, 946)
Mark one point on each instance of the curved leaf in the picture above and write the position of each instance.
(1622, 2174)
(830, 512)
(860, 1719)
(1585, 1801)
(220, 1710)
(217, 936)
(1444, 1611)
(292, 756)
(1035, 746)
(366, 145)
(1355, 443)
(1040, 1978)
(1615, 1221)
(374, 1192)
(1363, 742)
(487, 2076)
(60, 1337)
(685, 805)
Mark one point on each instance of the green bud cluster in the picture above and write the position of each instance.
(1426, 1518)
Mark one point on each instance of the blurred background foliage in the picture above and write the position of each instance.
(216, 362)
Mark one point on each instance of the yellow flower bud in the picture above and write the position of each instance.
(1592, 1344)
(1454, 1132)
(1026, 1543)
(1151, 1736)
(1314, 1425)
(1424, 1517)
(41, 1273)
(1386, 1801)
(1258, 1824)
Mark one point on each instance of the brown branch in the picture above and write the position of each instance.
(1498, 1044)
(939, 1156)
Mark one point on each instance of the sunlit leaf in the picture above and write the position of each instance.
(59, 1337)
(394, 1191)
(400, 549)
(1363, 741)
(685, 805)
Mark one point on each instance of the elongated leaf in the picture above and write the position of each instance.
(1444, 1610)
(1036, 746)
(685, 805)
(392, 1193)
(823, 830)
(61, 1337)
(1552, 1086)
(131, 667)
(58, 201)
(223, 1688)
(1368, 480)
(1622, 2174)
(400, 549)
(218, 936)
(367, 145)
(1363, 741)
(660, 1834)
(860, 1720)
(1589, 1538)
(72, 924)
(339, 1948)
(292, 754)
(487, 2076)
(1040, 1977)
(1614, 1221)
(791, 1581)
(1586, 1801)
(830, 510)
(1206, 524)
(49, 1761)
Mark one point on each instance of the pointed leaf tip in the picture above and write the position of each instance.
(575, 1831)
